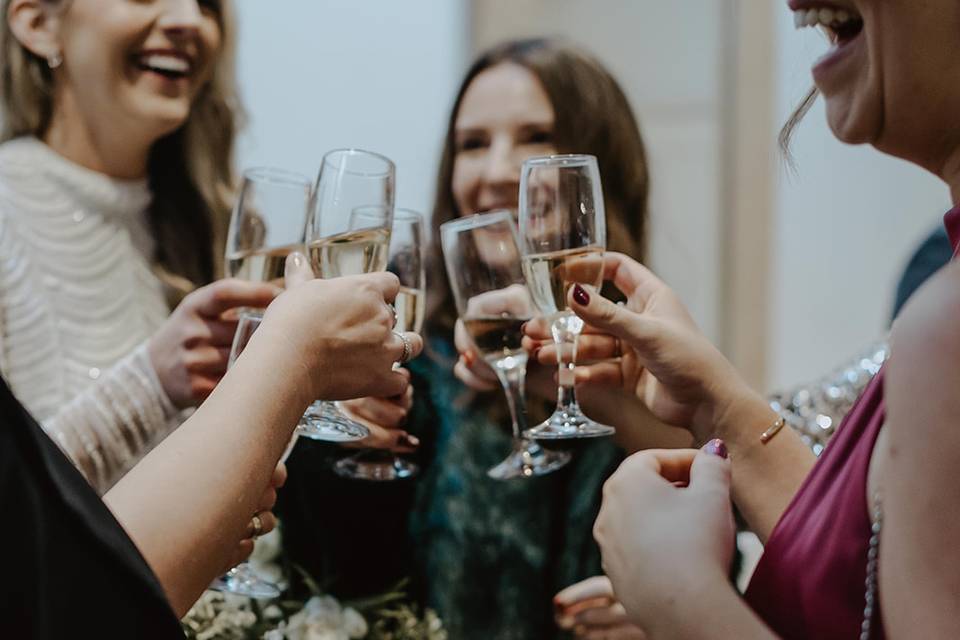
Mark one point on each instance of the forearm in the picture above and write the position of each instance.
(708, 613)
(106, 429)
(765, 476)
(188, 502)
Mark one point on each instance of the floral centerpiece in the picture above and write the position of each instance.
(390, 616)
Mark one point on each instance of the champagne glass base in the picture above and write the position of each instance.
(376, 466)
(242, 580)
(323, 421)
(529, 460)
(568, 425)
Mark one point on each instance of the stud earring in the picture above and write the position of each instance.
(55, 60)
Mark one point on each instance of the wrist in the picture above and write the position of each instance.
(691, 614)
(740, 414)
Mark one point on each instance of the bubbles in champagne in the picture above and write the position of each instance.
(260, 265)
(351, 253)
(550, 275)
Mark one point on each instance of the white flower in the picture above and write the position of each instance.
(275, 634)
(323, 632)
(353, 623)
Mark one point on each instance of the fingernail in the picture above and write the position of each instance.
(716, 447)
(297, 258)
(580, 295)
(410, 441)
(523, 327)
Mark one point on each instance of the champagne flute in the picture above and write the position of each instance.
(484, 267)
(405, 258)
(342, 244)
(242, 579)
(563, 231)
(266, 225)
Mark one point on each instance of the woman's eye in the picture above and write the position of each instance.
(469, 144)
(540, 137)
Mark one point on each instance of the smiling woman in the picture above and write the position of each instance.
(115, 184)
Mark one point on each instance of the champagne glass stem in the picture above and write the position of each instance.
(512, 372)
(566, 330)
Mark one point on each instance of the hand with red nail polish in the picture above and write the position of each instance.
(650, 347)
(385, 418)
(666, 532)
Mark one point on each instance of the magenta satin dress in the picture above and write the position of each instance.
(809, 583)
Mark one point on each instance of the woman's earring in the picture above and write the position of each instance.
(55, 60)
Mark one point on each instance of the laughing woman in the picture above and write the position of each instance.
(115, 176)
(861, 544)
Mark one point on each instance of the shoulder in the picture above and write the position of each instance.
(923, 373)
(928, 321)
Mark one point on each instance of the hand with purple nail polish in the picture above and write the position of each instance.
(666, 531)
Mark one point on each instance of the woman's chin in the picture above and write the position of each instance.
(162, 117)
(850, 124)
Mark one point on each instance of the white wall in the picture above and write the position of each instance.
(374, 74)
(844, 227)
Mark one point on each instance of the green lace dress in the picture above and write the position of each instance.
(489, 555)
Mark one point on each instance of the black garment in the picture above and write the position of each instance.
(69, 570)
(933, 254)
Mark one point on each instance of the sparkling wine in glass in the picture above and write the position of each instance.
(267, 225)
(340, 243)
(563, 235)
(405, 259)
(243, 579)
(486, 276)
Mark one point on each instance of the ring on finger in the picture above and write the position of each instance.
(407, 348)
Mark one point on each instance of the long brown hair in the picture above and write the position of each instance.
(592, 115)
(190, 171)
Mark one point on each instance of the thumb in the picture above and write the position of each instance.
(612, 318)
(711, 468)
(297, 270)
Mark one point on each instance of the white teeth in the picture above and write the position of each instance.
(160, 62)
(824, 16)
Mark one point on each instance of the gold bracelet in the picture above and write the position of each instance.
(774, 429)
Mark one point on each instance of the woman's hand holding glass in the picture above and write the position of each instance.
(651, 346)
(339, 333)
(384, 417)
(471, 369)
(189, 352)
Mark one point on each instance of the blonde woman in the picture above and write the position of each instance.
(118, 123)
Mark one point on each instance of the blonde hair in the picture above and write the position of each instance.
(190, 170)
